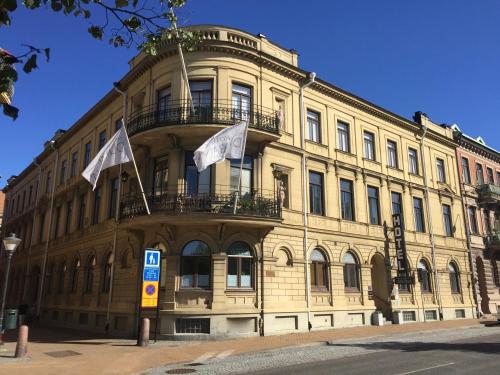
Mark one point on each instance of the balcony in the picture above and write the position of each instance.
(177, 114)
(488, 194)
(493, 240)
(255, 205)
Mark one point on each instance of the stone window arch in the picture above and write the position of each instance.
(240, 265)
(454, 277)
(424, 276)
(318, 270)
(196, 265)
(351, 272)
(106, 274)
(90, 271)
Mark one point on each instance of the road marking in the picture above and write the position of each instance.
(204, 357)
(425, 369)
(224, 354)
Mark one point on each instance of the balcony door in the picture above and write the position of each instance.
(196, 183)
(163, 104)
(201, 92)
(241, 102)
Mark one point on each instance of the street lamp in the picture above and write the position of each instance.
(10, 245)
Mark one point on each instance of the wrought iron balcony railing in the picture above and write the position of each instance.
(488, 193)
(218, 112)
(493, 239)
(252, 204)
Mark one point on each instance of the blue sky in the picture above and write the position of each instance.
(440, 57)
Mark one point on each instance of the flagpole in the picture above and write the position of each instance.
(241, 168)
(183, 63)
(137, 171)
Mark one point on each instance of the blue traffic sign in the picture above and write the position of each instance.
(152, 258)
(151, 274)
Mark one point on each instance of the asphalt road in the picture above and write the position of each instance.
(479, 355)
(469, 350)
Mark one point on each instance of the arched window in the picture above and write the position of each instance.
(351, 272)
(318, 270)
(74, 275)
(89, 277)
(62, 278)
(424, 276)
(454, 277)
(239, 266)
(195, 265)
(106, 274)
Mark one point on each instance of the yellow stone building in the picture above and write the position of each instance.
(306, 247)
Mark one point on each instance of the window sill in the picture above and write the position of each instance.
(394, 168)
(352, 291)
(414, 174)
(349, 153)
(239, 290)
(316, 143)
(194, 289)
(374, 161)
(320, 291)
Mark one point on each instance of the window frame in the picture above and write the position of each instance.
(479, 174)
(347, 205)
(314, 188)
(375, 199)
(454, 275)
(369, 145)
(392, 150)
(318, 268)
(346, 133)
(440, 169)
(447, 220)
(313, 119)
(349, 269)
(418, 214)
(466, 176)
(424, 273)
(196, 267)
(239, 266)
(413, 168)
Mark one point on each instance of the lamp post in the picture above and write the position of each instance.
(10, 244)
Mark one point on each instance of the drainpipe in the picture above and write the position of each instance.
(479, 311)
(46, 253)
(429, 220)
(311, 77)
(35, 161)
(116, 86)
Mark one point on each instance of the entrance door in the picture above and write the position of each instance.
(379, 284)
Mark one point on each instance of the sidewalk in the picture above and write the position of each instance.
(63, 352)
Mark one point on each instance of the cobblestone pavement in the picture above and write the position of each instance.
(223, 363)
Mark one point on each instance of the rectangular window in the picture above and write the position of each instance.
(392, 154)
(69, 212)
(316, 193)
(471, 212)
(397, 207)
(418, 211)
(498, 178)
(465, 170)
(313, 126)
(102, 140)
(374, 205)
(160, 176)
(86, 157)
(241, 102)
(346, 199)
(489, 173)
(412, 161)
(487, 222)
(113, 194)
(62, 175)
(163, 104)
(48, 182)
(369, 139)
(201, 92)
(196, 182)
(97, 205)
(74, 163)
(81, 211)
(344, 142)
(441, 175)
(479, 174)
(57, 219)
(118, 124)
(448, 226)
(246, 175)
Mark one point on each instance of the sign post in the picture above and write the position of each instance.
(150, 278)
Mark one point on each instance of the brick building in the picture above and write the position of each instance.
(479, 168)
(323, 170)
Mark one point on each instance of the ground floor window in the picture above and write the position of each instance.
(195, 265)
(239, 266)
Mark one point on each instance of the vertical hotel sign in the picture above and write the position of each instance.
(150, 278)
(399, 238)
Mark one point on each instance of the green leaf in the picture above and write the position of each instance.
(56, 5)
(133, 23)
(8, 72)
(30, 64)
(10, 5)
(86, 13)
(96, 32)
(68, 3)
(121, 3)
(47, 53)
(10, 111)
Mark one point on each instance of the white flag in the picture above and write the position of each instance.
(116, 151)
(228, 143)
